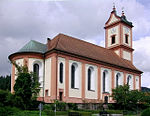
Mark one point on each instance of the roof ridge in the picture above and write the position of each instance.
(37, 42)
(57, 41)
(81, 40)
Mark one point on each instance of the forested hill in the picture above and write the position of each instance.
(145, 89)
(5, 82)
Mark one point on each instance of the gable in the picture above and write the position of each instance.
(113, 18)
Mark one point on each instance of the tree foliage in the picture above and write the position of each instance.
(5, 82)
(26, 86)
(126, 98)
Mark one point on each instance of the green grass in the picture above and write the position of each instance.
(29, 113)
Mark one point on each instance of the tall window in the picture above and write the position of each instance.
(75, 76)
(113, 39)
(104, 81)
(137, 82)
(118, 79)
(61, 72)
(128, 80)
(89, 78)
(72, 76)
(36, 69)
(126, 39)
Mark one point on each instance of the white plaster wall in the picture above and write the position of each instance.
(137, 82)
(130, 82)
(91, 94)
(20, 63)
(116, 33)
(109, 81)
(127, 55)
(125, 28)
(75, 92)
(61, 85)
(121, 78)
(48, 75)
(117, 52)
(113, 19)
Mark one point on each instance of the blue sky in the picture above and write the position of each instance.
(39, 19)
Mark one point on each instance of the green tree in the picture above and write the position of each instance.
(126, 98)
(26, 86)
(5, 82)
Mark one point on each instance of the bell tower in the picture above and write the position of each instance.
(118, 35)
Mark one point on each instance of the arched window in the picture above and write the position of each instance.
(61, 72)
(118, 79)
(128, 80)
(137, 82)
(105, 81)
(36, 69)
(74, 76)
(89, 78)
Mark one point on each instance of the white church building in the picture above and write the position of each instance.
(75, 71)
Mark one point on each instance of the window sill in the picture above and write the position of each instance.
(75, 88)
(92, 90)
(105, 92)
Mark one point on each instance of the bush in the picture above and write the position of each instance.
(72, 106)
(3, 97)
(7, 111)
(52, 113)
(81, 113)
(60, 106)
(146, 112)
(114, 111)
(29, 113)
(49, 107)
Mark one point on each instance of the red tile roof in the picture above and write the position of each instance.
(82, 48)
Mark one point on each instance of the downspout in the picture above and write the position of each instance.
(56, 73)
(43, 77)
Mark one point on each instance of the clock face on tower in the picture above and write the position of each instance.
(126, 30)
(113, 30)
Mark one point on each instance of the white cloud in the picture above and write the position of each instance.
(142, 58)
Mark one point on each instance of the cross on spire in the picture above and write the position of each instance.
(114, 9)
(122, 11)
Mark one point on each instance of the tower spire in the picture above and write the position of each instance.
(122, 11)
(114, 8)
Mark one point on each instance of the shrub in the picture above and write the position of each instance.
(3, 97)
(60, 106)
(114, 111)
(49, 107)
(81, 113)
(146, 112)
(7, 111)
(72, 106)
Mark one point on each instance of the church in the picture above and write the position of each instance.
(75, 71)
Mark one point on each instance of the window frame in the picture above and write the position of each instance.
(35, 70)
(126, 38)
(113, 39)
(61, 72)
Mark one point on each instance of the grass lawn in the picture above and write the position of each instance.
(29, 113)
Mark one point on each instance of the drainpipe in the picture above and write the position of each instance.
(43, 76)
(56, 73)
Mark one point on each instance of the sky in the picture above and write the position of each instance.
(22, 21)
